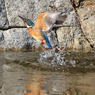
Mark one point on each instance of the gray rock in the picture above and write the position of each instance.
(73, 38)
(16, 38)
(1, 36)
(3, 15)
(53, 38)
(71, 20)
(31, 8)
(87, 18)
(20, 38)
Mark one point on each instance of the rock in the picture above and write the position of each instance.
(87, 18)
(1, 36)
(53, 38)
(3, 15)
(15, 37)
(19, 38)
(71, 20)
(73, 38)
(30, 9)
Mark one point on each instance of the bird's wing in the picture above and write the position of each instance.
(40, 23)
(52, 18)
(49, 21)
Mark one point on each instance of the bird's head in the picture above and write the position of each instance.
(27, 22)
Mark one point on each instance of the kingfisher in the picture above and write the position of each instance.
(45, 22)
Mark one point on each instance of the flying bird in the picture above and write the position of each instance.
(45, 22)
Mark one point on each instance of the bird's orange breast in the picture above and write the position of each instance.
(36, 34)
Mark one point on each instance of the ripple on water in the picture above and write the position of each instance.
(55, 59)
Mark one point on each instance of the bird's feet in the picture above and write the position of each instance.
(42, 43)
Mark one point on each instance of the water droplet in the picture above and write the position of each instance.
(55, 56)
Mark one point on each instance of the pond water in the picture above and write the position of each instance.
(48, 72)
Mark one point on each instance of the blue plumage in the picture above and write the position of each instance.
(47, 40)
(29, 22)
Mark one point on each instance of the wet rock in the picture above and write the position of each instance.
(87, 19)
(3, 15)
(73, 38)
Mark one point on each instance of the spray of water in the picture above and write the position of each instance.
(56, 56)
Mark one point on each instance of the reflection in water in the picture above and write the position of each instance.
(19, 80)
(16, 79)
(36, 85)
(55, 83)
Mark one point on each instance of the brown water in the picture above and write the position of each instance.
(21, 73)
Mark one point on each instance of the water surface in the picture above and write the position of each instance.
(42, 73)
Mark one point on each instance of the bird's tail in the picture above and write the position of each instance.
(47, 40)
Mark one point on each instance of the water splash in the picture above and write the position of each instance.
(56, 56)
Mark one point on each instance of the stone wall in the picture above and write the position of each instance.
(76, 35)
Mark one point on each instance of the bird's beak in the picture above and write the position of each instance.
(22, 18)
